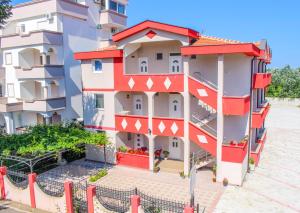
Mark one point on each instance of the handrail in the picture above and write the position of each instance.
(200, 77)
(209, 128)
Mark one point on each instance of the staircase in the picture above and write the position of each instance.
(201, 159)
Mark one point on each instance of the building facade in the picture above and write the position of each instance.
(167, 88)
(40, 81)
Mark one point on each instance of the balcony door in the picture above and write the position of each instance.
(175, 64)
(143, 65)
(138, 105)
(175, 106)
(138, 141)
(174, 148)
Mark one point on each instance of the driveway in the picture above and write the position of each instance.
(275, 184)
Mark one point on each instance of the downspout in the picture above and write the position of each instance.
(258, 94)
(250, 114)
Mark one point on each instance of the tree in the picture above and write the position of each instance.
(5, 11)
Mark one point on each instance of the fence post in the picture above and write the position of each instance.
(135, 203)
(188, 209)
(3, 170)
(91, 193)
(31, 181)
(69, 196)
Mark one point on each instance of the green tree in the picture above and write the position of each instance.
(5, 11)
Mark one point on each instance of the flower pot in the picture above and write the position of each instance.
(214, 179)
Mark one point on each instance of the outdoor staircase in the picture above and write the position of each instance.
(202, 159)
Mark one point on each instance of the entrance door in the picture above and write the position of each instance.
(138, 141)
(174, 148)
(138, 105)
(175, 106)
(175, 64)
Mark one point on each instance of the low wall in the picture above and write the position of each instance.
(284, 101)
(16, 194)
(96, 153)
(56, 204)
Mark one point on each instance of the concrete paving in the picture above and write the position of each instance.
(275, 184)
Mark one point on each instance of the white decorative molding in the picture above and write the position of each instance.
(202, 92)
(167, 83)
(202, 139)
(161, 127)
(131, 83)
(174, 128)
(124, 123)
(149, 83)
(138, 125)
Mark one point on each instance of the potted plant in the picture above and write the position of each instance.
(156, 169)
(122, 149)
(166, 154)
(251, 164)
(182, 175)
(225, 182)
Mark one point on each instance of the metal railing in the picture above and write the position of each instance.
(50, 187)
(204, 126)
(18, 178)
(80, 197)
(202, 79)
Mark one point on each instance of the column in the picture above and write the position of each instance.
(220, 116)
(44, 59)
(150, 96)
(107, 4)
(69, 196)
(9, 121)
(186, 105)
(31, 181)
(91, 193)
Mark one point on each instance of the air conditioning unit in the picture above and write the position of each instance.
(49, 16)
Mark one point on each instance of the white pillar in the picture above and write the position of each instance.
(150, 135)
(107, 4)
(9, 121)
(186, 97)
(44, 58)
(220, 116)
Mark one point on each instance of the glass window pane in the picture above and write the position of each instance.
(99, 101)
(98, 66)
(121, 8)
(113, 5)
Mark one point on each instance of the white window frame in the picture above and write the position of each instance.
(8, 58)
(140, 64)
(10, 91)
(94, 66)
(95, 98)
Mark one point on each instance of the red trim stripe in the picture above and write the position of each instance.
(98, 54)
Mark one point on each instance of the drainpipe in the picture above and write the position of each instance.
(250, 114)
(258, 93)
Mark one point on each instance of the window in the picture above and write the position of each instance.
(159, 56)
(138, 104)
(10, 90)
(113, 30)
(48, 59)
(97, 67)
(143, 65)
(175, 103)
(99, 101)
(121, 8)
(22, 28)
(193, 57)
(8, 59)
(1, 92)
(175, 66)
(113, 5)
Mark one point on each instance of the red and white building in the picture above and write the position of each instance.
(164, 87)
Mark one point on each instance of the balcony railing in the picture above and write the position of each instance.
(6, 106)
(259, 116)
(131, 123)
(168, 126)
(46, 71)
(155, 83)
(113, 19)
(44, 105)
(33, 38)
(234, 153)
(261, 80)
(236, 105)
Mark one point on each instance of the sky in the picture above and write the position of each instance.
(277, 21)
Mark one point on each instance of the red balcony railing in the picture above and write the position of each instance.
(132, 123)
(258, 117)
(236, 105)
(234, 153)
(202, 138)
(168, 126)
(261, 80)
(154, 83)
(260, 146)
(203, 92)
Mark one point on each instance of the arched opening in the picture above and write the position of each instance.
(29, 58)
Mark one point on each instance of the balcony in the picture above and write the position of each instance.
(236, 105)
(262, 80)
(260, 143)
(109, 18)
(2, 73)
(7, 106)
(131, 123)
(154, 83)
(234, 153)
(258, 117)
(45, 105)
(32, 38)
(40, 72)
(168, 126)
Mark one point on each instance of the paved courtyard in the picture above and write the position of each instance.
(275, 184)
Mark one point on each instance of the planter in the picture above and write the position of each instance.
(133, 160)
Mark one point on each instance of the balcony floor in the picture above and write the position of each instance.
(171, 166)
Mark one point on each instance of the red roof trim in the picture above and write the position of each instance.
(246, 48)
(98, 54)
(155, 25)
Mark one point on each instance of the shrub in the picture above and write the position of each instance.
(182, 174)
(166, 153)
(251, 161)
(122, 149)
(98, 176)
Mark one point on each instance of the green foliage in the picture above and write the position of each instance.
(5, 11)
(285, 83)
(251, 161)
(40, 139)
(123, 149)
(98, 176)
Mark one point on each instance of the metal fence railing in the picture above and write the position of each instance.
(50, 186)
(17, 178)
(80, 197)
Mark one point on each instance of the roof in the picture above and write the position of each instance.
(155, 25)
(107, 52)
(209, 40)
